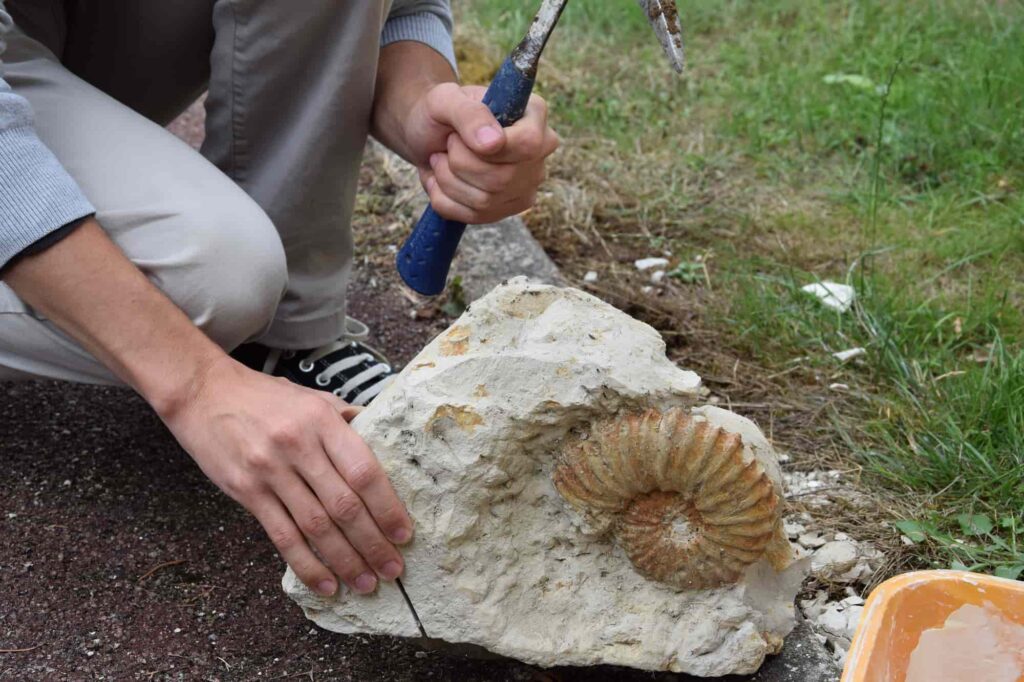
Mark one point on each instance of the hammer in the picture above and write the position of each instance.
(427, 254)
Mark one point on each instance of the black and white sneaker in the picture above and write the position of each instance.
(352, 370)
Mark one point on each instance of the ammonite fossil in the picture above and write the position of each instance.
(685, 503)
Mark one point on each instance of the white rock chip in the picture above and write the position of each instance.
(793, 529)
(845, 561)
(590, 277)
(838, 623)
(650, 263)
(813, 608)
(811, 540)
(469, 434)
(847, 355)
(834, 558)
(832, 295)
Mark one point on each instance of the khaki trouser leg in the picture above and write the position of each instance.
(290, 97)
(291, 94)
(186, 225)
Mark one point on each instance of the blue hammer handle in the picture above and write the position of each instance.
(427, 254)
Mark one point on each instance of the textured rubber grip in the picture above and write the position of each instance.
(425, 258)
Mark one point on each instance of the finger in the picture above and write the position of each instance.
(292, 546)
(460, 110)
(490, 175)
(321, 532)
(456, 188)
(526, 143)
(365, 476)
(350, 412)
(448, 208)
(483, 174)
(518, 204)
(345, 410)
(525, 139)
(351, 516)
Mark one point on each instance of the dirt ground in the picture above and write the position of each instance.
(121, 561)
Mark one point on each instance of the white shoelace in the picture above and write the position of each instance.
(355, 332)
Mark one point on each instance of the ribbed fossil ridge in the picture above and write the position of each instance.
(685, 506)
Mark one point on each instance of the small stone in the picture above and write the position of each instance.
(833, 620)
(802, 552)
(793, 530)
(839, 387)
(833, 559)
(811, 540)
(841, 536)
(853, 601)
(812, 608)
(657, 276)
(853, 614)
(590, 277)
(646, 290)
(650, 263)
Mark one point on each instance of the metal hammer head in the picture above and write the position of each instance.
(664, 17)
(662, 14)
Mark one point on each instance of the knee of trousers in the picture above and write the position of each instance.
(231, 272)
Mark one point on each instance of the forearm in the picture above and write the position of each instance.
(87, 287)
(407, 71)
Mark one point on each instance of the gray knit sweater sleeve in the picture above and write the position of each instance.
(424, 21)
(37, 196)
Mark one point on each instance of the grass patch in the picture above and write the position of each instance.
(876, 143)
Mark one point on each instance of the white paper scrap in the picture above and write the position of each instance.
(847, 355)
(832, 294)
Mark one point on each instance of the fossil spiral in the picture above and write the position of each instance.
(685, 504)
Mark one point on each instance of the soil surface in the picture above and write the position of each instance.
(121, 561)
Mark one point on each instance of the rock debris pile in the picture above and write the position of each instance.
(837, 561)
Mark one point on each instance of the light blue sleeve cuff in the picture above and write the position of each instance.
(423, 27)
(37, 196)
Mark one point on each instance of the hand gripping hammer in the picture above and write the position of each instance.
(426, 256)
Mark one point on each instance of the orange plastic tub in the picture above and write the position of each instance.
(974, 625)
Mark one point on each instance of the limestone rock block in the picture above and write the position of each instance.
(573, 506)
